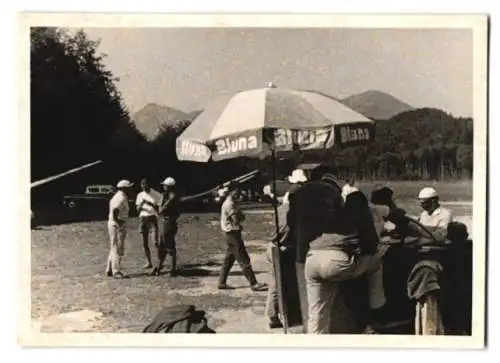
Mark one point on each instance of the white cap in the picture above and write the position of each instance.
(427, 193)
(298, 176)
(124, 184)
(169, 181)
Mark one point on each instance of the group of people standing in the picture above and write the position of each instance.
(336, 232)
(158, 214)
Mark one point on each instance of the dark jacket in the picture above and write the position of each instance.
(170, 207)
(319, 211)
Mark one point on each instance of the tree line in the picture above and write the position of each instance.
(78, 116)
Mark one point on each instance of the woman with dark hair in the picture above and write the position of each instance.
(337, 241)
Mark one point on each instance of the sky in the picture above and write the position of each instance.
(187, 68)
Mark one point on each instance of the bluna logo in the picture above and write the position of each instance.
(353, 134)
(189, 148)
(232, 146)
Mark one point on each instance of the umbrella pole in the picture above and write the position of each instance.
(277, 264)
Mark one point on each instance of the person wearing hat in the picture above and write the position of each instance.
(230, 222)
(296, 179)
(169, 210)
(118, 214)
(434, 217)
(388, 217)
(336, 241)
(147, 202)
(349, 187)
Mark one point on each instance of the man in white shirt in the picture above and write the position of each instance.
(349, 187)
(118, 214)
(147, 203)
(434, 217)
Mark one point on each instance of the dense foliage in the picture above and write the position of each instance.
(419, 144)
(78, 116)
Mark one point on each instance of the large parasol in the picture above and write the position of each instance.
(270, 121)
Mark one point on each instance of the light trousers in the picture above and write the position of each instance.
(325, 269)
(117, 235)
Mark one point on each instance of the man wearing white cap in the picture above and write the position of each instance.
(169, 210)
(296, 179)
(349, 187)
(118, 213)
(434, 217)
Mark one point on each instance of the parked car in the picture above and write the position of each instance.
(94, 200)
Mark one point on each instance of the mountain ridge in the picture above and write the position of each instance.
(374, 104)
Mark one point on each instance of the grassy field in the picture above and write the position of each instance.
(408, 190)
(68, 262)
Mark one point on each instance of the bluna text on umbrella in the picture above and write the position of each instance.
(353, 134)
(189, 148)
(236, 145)
(286, 137)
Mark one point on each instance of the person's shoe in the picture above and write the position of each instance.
(119, 275)
(148, 265)
(224, 287)
(259, 287)
(275, 323)
(172, 273)
(156, 272)
(109, 273)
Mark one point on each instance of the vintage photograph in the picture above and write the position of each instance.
(230, 175)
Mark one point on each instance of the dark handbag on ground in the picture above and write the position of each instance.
(179, 319)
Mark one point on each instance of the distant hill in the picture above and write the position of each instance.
(193, 114)
(376, 104)
(149, 119)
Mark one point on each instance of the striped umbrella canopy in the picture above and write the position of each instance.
(251, 123)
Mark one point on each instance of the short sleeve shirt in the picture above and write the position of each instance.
(147, 209)
(118, 201)
(228, 209)
(441, 217)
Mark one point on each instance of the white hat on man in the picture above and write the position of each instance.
(169, 182)
(298, 176)
(427, 193)
(124, 184)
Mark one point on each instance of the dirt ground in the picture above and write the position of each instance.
(68, 263)
(71, 293)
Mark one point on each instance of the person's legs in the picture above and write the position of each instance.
(372, 268)
(272, 306)
(146, 227)
(241, 255)
(171, 249)
(120, 248)
(165, 246)
(228, 262)
(323, 271)
(115, 241)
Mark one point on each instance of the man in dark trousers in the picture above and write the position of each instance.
(231, 219)
(169, 211)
